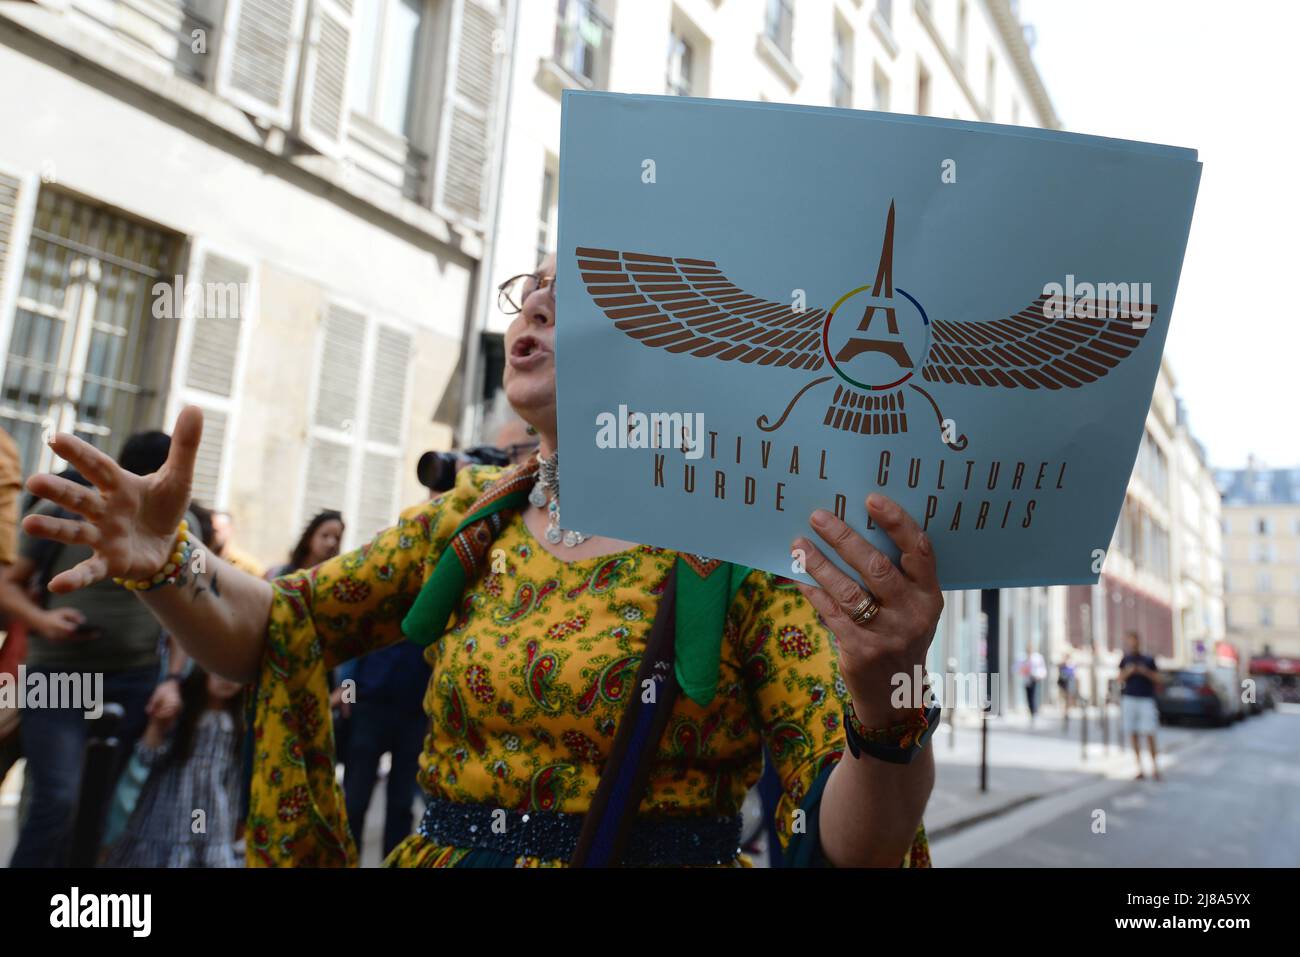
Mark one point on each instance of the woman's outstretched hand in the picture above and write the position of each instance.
(895, 640)
(129, 520)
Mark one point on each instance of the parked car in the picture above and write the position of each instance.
(1233, 689)
(1265, 694)
(1197, 693)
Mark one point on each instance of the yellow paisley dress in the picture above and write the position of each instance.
(528, 684)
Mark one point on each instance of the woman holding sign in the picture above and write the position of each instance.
(593, 701)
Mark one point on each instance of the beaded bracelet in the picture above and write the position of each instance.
(176, 562)
(903, 734)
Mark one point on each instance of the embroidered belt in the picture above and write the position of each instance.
(692, 841)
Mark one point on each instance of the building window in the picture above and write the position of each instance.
(780, 26)
(385, 55)
(922, 90)
(1266, 616)
(86, 353)
(1264, 582)
(355, 447)
(582, 39)
(879, 90)
(1263, 552)
(681, 65)
(842, 68)
(1153, 467)
(1264, 526)
(547, 217)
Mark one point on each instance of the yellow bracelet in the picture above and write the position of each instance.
(171, 570)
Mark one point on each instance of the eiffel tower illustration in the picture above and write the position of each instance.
(883, 289)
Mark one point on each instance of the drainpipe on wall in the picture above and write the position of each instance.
(470, 384)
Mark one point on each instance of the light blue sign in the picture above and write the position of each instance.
(764, 310)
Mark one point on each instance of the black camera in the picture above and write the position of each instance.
(437, 470)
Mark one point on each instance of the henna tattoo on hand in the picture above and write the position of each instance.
(200, 589)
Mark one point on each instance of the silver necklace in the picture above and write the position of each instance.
(546, 494)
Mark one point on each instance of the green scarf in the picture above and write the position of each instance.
(705, 587)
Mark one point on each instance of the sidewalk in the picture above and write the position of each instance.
(1025, 764)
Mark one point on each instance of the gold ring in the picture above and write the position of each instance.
(865, 610)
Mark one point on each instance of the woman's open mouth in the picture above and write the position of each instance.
(527, 353)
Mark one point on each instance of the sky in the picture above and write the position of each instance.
(1224, 79)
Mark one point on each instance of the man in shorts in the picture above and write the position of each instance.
(1139, 676)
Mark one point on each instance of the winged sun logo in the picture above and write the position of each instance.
(892, 352)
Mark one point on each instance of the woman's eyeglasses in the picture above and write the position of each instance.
(512, 293)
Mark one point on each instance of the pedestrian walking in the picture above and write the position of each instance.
(1033, 672)
(1066, 684)
(1138, 713)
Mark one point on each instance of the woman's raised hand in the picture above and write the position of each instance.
(893, 640)
(130, 520)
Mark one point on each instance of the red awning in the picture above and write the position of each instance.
(1261, 665)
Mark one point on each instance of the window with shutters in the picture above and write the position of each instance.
(354, 80)
(218, 309)
(16, 199)
(466, 131)
(355, 450)
(85, 354)
(261, 46)
(322, 104)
